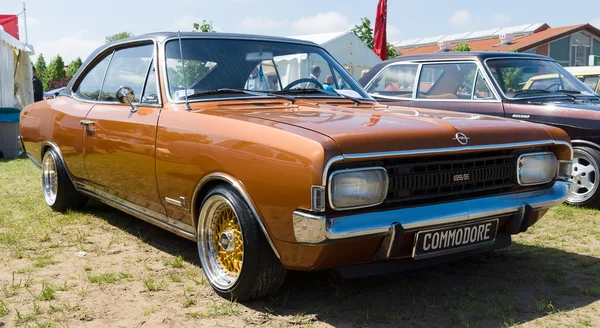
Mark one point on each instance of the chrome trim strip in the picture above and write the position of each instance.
(415, 152)
(150, 216)
(34, 161)
(313, 229)
(195, 206)
(173, 202)
(373, 168)
(585, 142)
(534, 154)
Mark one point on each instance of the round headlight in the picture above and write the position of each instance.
(536, 168)
(356, 188)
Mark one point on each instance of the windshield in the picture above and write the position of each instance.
(262, 67)
(525, 78)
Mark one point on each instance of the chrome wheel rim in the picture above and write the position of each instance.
(585, 177)
(49, 178)
(220, 242)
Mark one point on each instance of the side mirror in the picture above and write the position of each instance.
(125, 95)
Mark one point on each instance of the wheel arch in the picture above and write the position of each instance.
(585, 143)
(50, 145)
(214, 179)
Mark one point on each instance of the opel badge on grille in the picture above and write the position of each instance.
(461, 138)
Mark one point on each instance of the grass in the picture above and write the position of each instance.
(153, 285)
(548, 278)
(109, 277)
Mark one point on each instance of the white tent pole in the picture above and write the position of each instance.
(25, 22)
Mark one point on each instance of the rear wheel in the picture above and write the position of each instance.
(59, 192)
(235, 255)
(586, 177)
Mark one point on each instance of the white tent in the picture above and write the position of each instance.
(347, 48)
(16, 88)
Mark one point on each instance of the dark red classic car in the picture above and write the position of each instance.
(515, 85)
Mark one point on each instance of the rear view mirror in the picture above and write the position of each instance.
(256, 56)
(531, 70)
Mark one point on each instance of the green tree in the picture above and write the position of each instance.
(204, 27)
(364, 32)
(54, 72)
(118, 36)
(461, 46)
(73, 67)
(40, 68)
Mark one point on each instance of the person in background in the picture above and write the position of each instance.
(315, 72)
(328, 85)
(257, 81)
(38, 88)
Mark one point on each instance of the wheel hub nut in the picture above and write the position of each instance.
(227, 241)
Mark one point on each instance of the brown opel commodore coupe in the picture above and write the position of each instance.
(527, 87)
(272, 157)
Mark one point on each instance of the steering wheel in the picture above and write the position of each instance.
(553, 85)
(305, 80)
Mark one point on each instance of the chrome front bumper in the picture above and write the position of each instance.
(316, 229)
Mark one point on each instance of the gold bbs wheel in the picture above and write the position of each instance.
(220, 242)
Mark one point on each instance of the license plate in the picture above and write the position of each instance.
(454, 239)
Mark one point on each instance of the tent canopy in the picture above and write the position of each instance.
(16, 89)
(347, 48)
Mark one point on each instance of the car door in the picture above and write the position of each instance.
(456, 86)
(120, 138)
(394, 84)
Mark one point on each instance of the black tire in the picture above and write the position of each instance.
(66, 196)
(261, 271)
(588, 159)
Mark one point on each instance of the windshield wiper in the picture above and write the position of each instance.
(575, 92)
(313, 90)
(531, 90)
(222, 91)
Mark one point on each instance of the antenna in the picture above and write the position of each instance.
(187, 103)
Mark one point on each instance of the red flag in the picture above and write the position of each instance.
(380, 37)
(10, 23)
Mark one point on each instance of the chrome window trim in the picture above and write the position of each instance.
(421, 63)
(195, 203)
(497, 86)
(535, 154)
(450, 150)
(370, 168)
(366, 87)
(163, 69)
(84, 72)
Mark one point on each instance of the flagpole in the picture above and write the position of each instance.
(25, 22)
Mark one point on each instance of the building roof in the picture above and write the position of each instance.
(520, 43)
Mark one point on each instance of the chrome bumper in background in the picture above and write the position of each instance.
(316, 229)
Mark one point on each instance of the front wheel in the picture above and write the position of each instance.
(586, 177)
(235, 255)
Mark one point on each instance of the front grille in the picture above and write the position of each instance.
(450, 177)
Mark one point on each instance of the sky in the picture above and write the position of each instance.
(75, 28)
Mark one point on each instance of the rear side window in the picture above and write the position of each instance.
(128, 67)
(447, 81)
(395, 81)
(591, 81)
(90, 86)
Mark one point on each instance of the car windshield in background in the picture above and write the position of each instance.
(212, 66)
(525, 78)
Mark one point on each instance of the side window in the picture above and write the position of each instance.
(90, 86)
(447, 81)
(150, 95)
(482, 89)
(395, 81)
(128, 67)
(591, 82)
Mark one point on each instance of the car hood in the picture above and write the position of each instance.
(377, 128)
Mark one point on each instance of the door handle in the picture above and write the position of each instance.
(86, 122)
